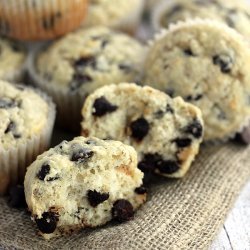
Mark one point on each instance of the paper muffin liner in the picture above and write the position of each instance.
(35, 20)
(15, 160)
(69, 105)
(224, 28)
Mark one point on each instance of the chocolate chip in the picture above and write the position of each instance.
(82, 155)
(125, 67)
(188, 52)
(17, 197)
(139, 128)
(168, 167)
(170, 92)
(11, 128)
(190, 98)
(224, 61)
(104, 43)
(141, 190)
(44, 171)
(95, 198)
(243, 137)
(183, 142)
(84, 62)
(195, 128)
(122, 210)
(102, 106)
(7, 103)
(151, 162)
(169, 109)
(47, 224)
(78, 80)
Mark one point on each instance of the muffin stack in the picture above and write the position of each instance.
(141, 110)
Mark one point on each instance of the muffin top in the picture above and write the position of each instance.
(111, 13)
(207, 63)
(87, 59)
(234, 13)
(12, 58)
(23, 114)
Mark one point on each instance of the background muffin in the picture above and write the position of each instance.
(79, 63)
(207, 63)
(234, 13)
(118, 14)
(26, 123)
(37, 19)
(12, 60)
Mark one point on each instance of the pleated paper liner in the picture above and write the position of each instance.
(15, 160)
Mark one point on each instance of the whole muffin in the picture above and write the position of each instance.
(37, 19)
(118, 14)
(76, 65)
(83, 183)
(207, 63)
(234, 13)
(165, 132)
(27, 120)
(12, 60)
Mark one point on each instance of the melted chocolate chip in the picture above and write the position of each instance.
(183, 142)
(139, 128)
(188, 52)
(141, 190)
(195, 128)
(102, 106)
(95, 198)
(85, 61)
(11, 128)
(125, 67)
(7, 103)
(122, 210)
(168, 167)
(82, 155)
(17, 197)
(78, 80)
(225, 62)
(44, 171)
(151, 162)
(190, 98)
(47, 224)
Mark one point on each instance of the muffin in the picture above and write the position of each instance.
(27, 119)
(36, 19)
(83, 183)
(234, 13)
(207, 63)
(165, 132)
(12, 60)
(119, 14)
(76, 65)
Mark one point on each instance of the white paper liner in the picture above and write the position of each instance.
(68, 104)
(14, 161)
(192, 22)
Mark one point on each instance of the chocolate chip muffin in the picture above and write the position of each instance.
(12, 59)
(76, 65)
(39, 20)
(165, 132)
(83, 183)
(234, 13)
(26, 124)
(119, 14)
(207, 63)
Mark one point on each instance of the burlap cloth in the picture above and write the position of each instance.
(179, 214)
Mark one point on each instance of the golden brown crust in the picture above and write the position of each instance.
(43, 23)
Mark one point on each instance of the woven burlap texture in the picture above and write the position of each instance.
(179, 214)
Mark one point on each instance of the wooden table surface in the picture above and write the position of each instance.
(235, 233)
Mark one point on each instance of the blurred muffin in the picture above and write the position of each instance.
(26, 123)
(37, 19)
(118, 14)
(76, 65)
